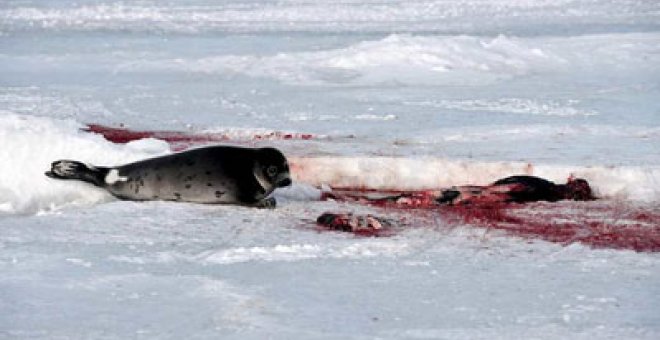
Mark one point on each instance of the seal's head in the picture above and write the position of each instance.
(271, 169)
(578, 189)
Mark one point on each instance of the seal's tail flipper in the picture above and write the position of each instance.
(65, 169)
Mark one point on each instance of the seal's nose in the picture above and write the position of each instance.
(285, 182)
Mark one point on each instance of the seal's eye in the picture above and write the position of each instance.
(271, 171)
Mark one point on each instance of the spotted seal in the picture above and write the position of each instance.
(216, 174)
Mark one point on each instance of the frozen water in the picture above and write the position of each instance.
(405, 94)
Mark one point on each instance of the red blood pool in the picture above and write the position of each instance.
(609, 228)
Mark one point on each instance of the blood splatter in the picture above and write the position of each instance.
(422, 199)
(599, 224)
(182, 140)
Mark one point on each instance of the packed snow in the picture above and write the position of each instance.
(398, 95)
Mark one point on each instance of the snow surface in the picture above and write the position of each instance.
(405, 94)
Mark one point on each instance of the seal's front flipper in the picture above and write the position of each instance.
(267, 203)
(66, 169)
